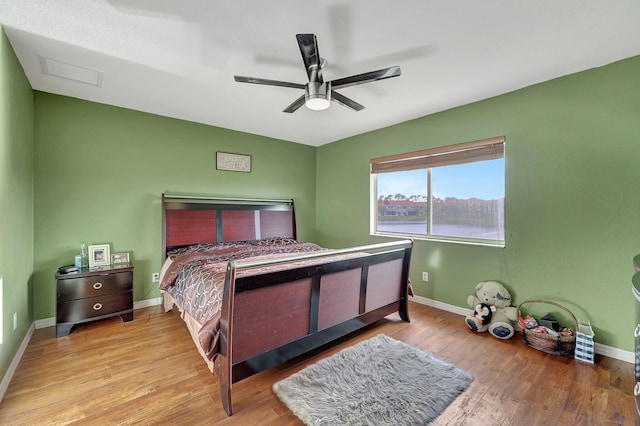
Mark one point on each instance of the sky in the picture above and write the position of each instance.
(483, 179)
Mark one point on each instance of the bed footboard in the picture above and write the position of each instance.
(275, 316)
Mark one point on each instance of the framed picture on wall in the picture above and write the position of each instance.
(233, 162)
(99, 255)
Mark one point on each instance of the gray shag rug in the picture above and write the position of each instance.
(380, 381)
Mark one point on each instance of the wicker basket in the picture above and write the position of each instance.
(555, 345)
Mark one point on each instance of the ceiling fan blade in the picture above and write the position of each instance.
(295, 105)
(346, 102)
(366, 77)
(253, 80)
(310, 56)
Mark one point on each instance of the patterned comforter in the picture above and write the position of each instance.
(194, 277)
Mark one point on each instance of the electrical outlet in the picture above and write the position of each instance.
(155, 277)
(15, 320)
(425, 276)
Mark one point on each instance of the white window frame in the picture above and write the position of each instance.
(481, 150)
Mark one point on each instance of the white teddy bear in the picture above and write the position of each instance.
(494, 294)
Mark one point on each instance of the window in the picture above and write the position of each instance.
(454, 193)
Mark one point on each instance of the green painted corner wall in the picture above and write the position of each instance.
(572, 205)
(100, 172)
(16, 202)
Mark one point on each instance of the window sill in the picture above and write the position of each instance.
(453, 240)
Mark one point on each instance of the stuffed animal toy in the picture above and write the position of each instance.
(494, 295)
(483, 313)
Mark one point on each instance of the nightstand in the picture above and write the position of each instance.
(89, 295)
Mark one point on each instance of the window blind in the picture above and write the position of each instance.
(468, 152)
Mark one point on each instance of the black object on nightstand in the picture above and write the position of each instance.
(89, 295)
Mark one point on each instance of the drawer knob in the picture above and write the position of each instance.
(97, 286)
(97, 306)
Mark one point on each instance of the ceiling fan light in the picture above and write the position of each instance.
(317, 103)
(317, 96)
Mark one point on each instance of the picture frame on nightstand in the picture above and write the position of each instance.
(99, 255)
(119, 258)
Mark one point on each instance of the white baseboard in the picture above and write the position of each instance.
(601, 349)
(147, 302)
(440, 305)
(4, 384)
(44, 323)
(615, 353)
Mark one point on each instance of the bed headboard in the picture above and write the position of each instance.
(191, 219)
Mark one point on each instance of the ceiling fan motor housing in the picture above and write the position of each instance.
(317, 96)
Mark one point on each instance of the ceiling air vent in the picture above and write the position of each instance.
(71, 72)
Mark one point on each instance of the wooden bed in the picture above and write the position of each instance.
(276, 307)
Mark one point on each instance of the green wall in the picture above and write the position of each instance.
(572, 201)
(100, 172)
(16, 201)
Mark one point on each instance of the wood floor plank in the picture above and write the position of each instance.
(148, 371)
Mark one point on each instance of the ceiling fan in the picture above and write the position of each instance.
(317, 92)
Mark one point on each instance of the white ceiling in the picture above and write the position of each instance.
(178, 58)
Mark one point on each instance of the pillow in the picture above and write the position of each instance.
(274, 241)
(206, 247)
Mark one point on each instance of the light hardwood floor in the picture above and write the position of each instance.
(148, 371)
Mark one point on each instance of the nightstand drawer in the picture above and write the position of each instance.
(97, 285)
(91, 307)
